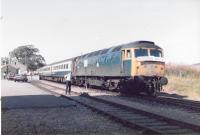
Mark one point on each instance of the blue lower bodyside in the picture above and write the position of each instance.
(57, 74)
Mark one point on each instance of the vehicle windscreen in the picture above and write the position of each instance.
(141, 52)
(156, 53)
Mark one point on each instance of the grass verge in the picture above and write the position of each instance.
(183, 80)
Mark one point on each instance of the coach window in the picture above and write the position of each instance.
(128, 54)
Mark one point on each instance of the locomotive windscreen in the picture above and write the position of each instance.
(141, 52)
(156, 53)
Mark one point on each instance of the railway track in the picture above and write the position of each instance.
(188, 105)
(131, 117)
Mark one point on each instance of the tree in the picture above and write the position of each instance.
(29, 56)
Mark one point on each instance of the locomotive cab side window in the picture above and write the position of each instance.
(128, 53)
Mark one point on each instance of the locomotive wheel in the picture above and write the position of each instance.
(112, 86)
(152, 93)
(123, 88)
(151, 90)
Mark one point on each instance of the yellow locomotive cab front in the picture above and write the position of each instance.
(148, 62)
(146, 69)
(149, 67)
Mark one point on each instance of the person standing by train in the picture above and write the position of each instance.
(4, 75)
(68, 78)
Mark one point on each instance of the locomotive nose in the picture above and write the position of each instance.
(150, 67)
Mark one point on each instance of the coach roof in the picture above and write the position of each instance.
(60, 62)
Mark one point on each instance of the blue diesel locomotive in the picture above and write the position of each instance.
(130, 68)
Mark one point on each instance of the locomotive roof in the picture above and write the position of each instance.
(141, 44)
(136, 44)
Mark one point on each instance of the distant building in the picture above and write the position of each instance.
(4, 61)
(13, 66)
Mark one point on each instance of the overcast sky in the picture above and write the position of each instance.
(62, 29)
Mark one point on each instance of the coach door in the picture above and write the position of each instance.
(122, 60)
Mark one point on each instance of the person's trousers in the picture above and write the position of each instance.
(68, 86)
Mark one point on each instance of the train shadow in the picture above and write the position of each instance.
(34, 102)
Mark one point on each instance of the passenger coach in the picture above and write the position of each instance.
(55, 71)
